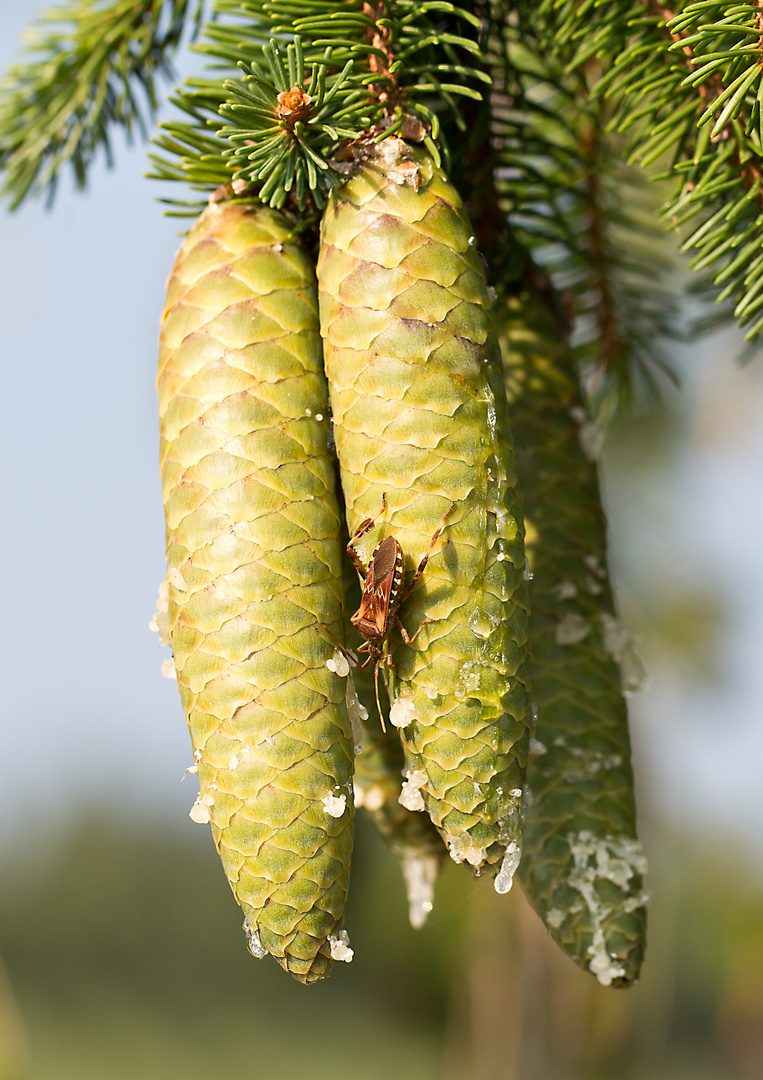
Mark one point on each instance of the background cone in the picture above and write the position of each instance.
(583, 865)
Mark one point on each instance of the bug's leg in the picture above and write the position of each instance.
(404, 632)
(362, 570)
(425, 560)
(364, 527)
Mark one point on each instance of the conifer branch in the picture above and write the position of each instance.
(364, 69)
(686, 87)
(587, 218)
(89, 66)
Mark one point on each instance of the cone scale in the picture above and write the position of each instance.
(419, 417)
(254, 568)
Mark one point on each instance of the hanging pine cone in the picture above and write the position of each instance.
(254, 569)
(583, 865)
(420, 420)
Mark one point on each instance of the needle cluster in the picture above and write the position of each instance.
(587, 217)
(558, 106)
(684, 87)
(357, 69)
(88, 66)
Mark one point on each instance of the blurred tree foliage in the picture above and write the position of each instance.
(114, 978)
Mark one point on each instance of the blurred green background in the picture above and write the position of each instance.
(124, 951)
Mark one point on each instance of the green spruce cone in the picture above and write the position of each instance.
(379, 773)
(420, 417)
(582, 865)
(254, 569)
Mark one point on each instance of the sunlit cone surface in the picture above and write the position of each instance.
(419, 414)
(254, 567)
(582, 865)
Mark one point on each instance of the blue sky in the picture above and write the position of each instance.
(692, 524)
(86, 714)
(85, 708)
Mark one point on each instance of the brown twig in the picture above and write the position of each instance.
(610, 340)
(386, 92)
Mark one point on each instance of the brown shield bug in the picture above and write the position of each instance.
(384, 592)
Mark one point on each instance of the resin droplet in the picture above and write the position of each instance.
(338, 663)
(253, 943)
(601, 963)
(590, 434)
(463, 849)
(373, 799)
(480, 623)
(593, 562)
(357, 713)
(340, 946)
(199, 812)
(169, 671)
(616, 859)
(420, 872)
(469, 678)
(402, 712)
(177, 580)
(505, 878)
(565, 590)
(160, 623)
(334, 805)
(410, 794)
(572, 629)
(620, 642)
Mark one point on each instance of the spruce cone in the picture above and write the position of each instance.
(583, 865)
(254, 568)
(420, 416)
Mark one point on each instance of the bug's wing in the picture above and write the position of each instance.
(419, 414)
(582, 865)
(254, 568)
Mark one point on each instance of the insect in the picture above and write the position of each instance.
(384, 592)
